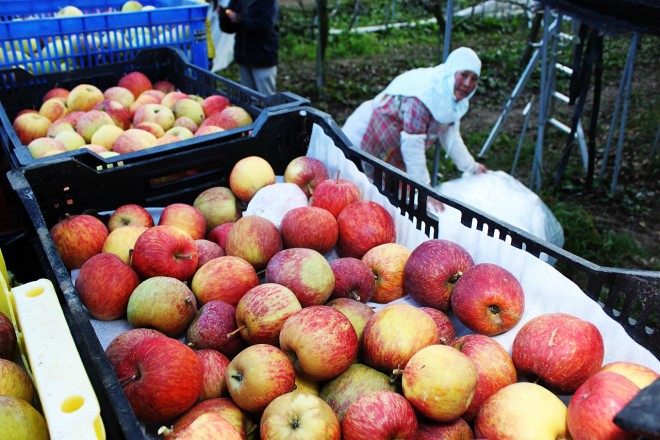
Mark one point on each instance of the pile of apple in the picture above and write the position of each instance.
(132, 115)
(285, 316)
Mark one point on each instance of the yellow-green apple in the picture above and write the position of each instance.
(379, 415)
(163, 303)
(495, 368)
(357, 312)
(641, 375)
(255, 239)
(235, 116)
(560, 349)
(207, 250)
(249, 175)
(221, 406)
(140, 101)
(363, 225)
(131, 6)
(592, 408)
(8, 339)
(335, 194)
(299, 416)
(55, 92)
(305, 271)
(387, 261)
(135, 81)
(446, 330)
(132, 140)
(432, 270)
(309, 227)
(214, 370)
(54, 109)
(190, 108)
(320, 341)
(71, 140)
(306, 385)
(164, 86)
(152, 128)
(439, 381)
(121, 241)
(91, 121)
(77, 238)
(218, 205)
(214, 327)
(30, 126)
(353, 279)
(227, 278)
(69, 11)
(171, 97)
(106, 136)
(186, 122)
(15, 381)
(120, 94)
(119, 113)
(306, 172)
(259, 374)
(186, 217)
(165, 250)
(59, 126)
(357, 380)
(522, 410)
(43, 145)
(157, 113)
(182, 133)
(261, 312)
(124, 342)
(84, 97)
(21, 420)
(394, 334)
(214, 104)
(130, 214)
(428, 429)
(139, 37)
(104, 285)
(155, 93)
(161, 377)
(488, 299)
(219, 234)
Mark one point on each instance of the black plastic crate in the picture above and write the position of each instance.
(74, 184)
(19, 89)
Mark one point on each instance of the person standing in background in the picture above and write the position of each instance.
(254, 22)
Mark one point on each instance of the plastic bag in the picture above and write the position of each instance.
(356, 124)
(223, 42)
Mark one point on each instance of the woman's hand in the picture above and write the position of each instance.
(481, 169)
(233, 16)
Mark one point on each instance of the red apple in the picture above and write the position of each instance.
(161, 378)
(249, 175)
(205, 130)
(136, 82)
(306, 172)
(353, 279)
(299, 415)
(335, 194)
(31, 126)
(165, 250)
(446, 330)
(225, 278)
(104, 285)
(218, 205)
(209, 426)
(120, 114)
(428, 429)
(206, 251)
(363, 225)
(214, 370)
(432, 270)
(45, 146)
(130, 214)
(357, 312)
(54, 109)
(230, 117)
(215, 327)
(171, 97)
(219, 234)
(214, 104)
(55, 92)
(561, 349)
(141, 100)
(186, 217)
(309, 227)
(155, 113)
(120, 94)
(641, 375)
(164, 86)
(132, 140)
(387, 261)
(8, 341)
(158, 94)
(379, 415)
(255, 239)
(305, 271)
(124, 342)
(259, 374)
(77, 238)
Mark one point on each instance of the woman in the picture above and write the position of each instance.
(417, 108)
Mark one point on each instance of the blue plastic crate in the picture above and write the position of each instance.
(32, 36)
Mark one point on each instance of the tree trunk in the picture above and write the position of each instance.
(322, 35)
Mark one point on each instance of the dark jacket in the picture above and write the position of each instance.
(257, 34)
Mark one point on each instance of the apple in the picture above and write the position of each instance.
(152, 128)
(84, 97)
(164, 86)
(522, 410)
(106, 136)
(15, 381)
(45, 145)
(69, 11)
(560, 349)
(140, 101)
(186, 217)
(186, 122)
(30, 126)
(55, 92)
(297, 415)
(165, 250)
(214, 104)
(235, 116)
(387, 261)
(54, 109)
(214, 370)
(135, 81)
(320, 341)
(161, 377)
(431, 271)
(359, 379)
(306, 385)
(8, 341)
(218, 206)
(640, 375)
(120, 94)
(262, 311)
(120, 114)
(209, 426)
(357, 312)
(182, 133)
(104, 285)
(249, 175)
(306, 172)
(157, 113)
(159, 95)
(132, 140)
(71, 140)
(495, 368)
(305, 271)
(206, 251)
(427, 429)
(379, 415)
(73, 117)
(59, 126)
(394, 334)
(171, 97)
(91, 121)
(21, 420)
(77, 238)
(215, 327)
(227, 278)
(309, 227)
(124, 342)
(363, 225)
(353, 279)
(255, 239)
(335, 194)
(164, 140)
(446, 330)
(274, 201)
(130, 214)
(220, 233)
(259, 374)
(190, 108)
(98, 149)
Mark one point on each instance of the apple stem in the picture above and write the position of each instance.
(395, 374)
(127, 380)
(261, 273)
(164, 430)
(337, 177)
(355, 296)
(455, 277)
(229, 335)
(184, 256)
(130, 256)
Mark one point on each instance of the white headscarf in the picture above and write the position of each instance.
(434, 86)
